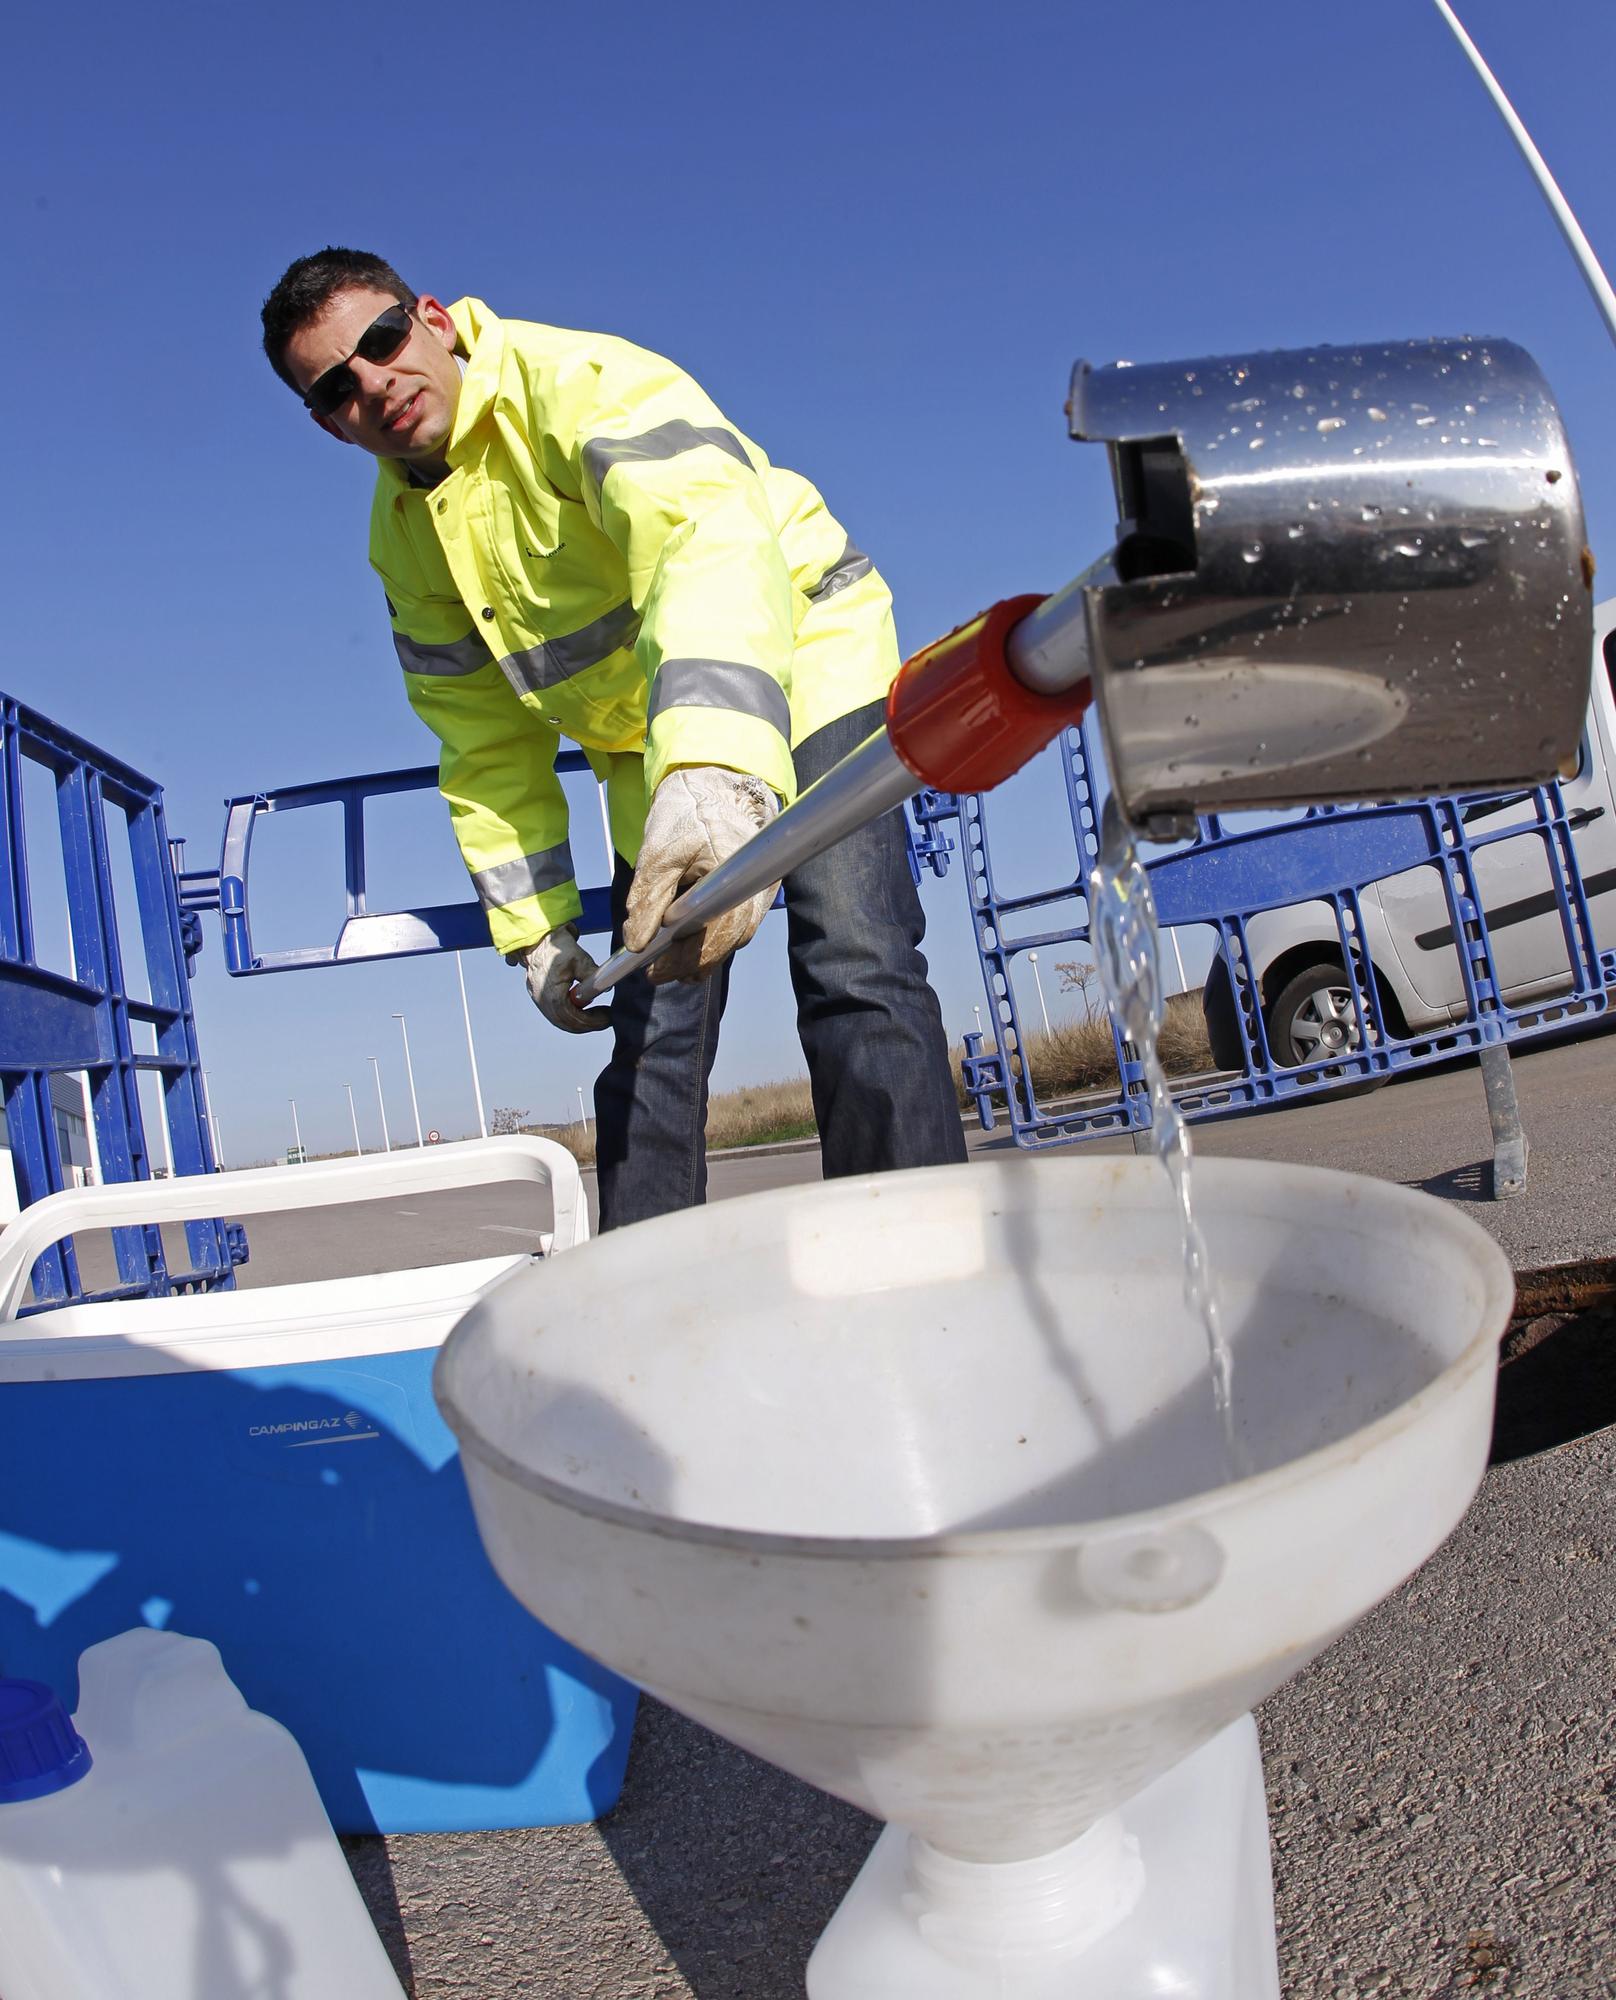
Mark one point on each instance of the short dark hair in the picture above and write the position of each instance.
(309, 286)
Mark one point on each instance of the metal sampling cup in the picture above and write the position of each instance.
(1340, 573)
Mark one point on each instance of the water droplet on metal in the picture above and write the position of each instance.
(1252, 552)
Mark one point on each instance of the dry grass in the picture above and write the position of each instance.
(1080, 1055)
(579, 1140)
(1076, 1056)
(761, 1114)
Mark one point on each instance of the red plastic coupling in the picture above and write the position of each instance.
(960, 719)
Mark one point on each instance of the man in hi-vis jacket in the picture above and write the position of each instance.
(575, 543)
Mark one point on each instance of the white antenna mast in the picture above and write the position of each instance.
(1570, 228)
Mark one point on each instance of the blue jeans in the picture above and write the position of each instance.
(869, 1023)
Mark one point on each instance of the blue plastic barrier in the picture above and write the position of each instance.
(52, 1023)
(1224, 879)
(362, 933)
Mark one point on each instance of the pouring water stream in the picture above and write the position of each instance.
(1122, 914)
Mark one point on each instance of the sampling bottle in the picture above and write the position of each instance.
(167, 1843)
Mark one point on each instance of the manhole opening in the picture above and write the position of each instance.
(1557, 1365)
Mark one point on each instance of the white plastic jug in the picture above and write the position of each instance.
(168, 1843)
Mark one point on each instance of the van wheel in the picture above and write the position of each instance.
(1312, 1018)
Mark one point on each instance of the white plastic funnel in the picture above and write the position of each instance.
(914, 1484)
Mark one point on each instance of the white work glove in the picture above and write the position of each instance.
(554, 965)
(698, 817)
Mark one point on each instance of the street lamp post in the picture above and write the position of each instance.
(409, 1071)
(1178, 960)
(606, 829)
(160, 1096)
(296, 1131)
(381, 1103)
(583, 1115)
(213, 1123)
(471, 1050)
(1032, 960)
(354, 1115)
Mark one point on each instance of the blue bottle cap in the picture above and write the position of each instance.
(40, 1750)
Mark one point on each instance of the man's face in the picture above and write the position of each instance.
(402, 408)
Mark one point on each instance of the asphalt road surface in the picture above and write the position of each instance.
(1428, 1131)
(1442, 1781)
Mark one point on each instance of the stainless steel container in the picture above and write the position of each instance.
(1340, 573)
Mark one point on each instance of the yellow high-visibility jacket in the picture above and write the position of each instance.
(610, 561)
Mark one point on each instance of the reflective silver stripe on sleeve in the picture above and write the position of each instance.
(574, 652)
(848, 567)
(510, 882)
(461, 656)
(666, 441)
(720, 684)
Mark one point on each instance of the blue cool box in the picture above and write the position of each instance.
(268, 1470)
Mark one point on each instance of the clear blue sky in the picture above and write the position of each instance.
(878, 234)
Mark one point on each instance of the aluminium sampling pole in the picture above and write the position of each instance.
(962, 715)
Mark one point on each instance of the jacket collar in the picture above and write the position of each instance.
(480, 343)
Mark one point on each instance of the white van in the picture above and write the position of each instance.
(1296, 951)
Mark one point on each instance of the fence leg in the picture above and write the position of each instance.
(1504, 1115)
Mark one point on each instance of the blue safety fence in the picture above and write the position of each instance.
(1331, 860)
(359, 933)
(55, 1024)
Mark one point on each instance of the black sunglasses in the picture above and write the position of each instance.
(380, 341)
